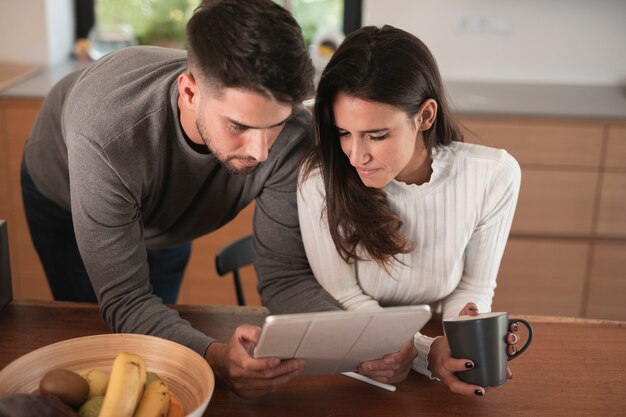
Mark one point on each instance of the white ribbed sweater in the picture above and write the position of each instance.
(459, 222)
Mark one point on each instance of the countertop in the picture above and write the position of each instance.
(467, 97)
(12, 73)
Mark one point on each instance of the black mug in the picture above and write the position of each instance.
(482, 339)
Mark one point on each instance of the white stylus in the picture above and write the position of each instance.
(371, 381)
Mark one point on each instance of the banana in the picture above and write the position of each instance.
(176, 407)
(155, 401)
(97, 380)
(126, 384)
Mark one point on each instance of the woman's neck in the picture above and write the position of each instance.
(420, 167)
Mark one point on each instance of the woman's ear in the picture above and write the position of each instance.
(187, 90)
(427, 114)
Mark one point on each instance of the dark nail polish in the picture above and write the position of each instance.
(479, 393)
(469, 365)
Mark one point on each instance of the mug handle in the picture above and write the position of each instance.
(528, 340)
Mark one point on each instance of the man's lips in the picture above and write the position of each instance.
(247, 162)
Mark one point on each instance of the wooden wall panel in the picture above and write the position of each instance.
(534, 142)
(28, 276)
(607, 286)
(612, 212)
(542, 276)
(616, 148)
(558, 203)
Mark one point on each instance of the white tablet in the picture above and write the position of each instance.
(339, 341)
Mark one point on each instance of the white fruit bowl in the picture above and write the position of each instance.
(185, 372)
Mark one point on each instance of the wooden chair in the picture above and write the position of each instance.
(233, 256)
(6, 289)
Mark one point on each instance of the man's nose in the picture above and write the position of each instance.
(258, 145)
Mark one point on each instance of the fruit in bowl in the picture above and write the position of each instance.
(120, 362)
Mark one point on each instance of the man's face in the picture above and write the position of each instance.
(239, 126)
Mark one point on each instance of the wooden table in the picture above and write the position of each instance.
(573, 368)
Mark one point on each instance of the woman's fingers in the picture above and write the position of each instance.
(454, 383)
(512, 338)
(511, 350)
(392, 368)
(470, 309)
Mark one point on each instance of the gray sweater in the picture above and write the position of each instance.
(108, 146)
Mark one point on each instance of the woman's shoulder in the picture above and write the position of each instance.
(476, 151)
(310, 180)
(500, 159)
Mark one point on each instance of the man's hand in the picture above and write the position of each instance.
(246, 376)
(392, 368)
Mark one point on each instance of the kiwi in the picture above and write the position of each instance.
(68, 386)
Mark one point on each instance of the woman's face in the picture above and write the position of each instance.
(381, 142)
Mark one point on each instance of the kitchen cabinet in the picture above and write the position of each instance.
(16, 119)
(563, 255)
(616, 149)
(607, 286)
(542, 276)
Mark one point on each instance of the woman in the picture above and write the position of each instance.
(394, 208)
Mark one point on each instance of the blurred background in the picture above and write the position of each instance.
(544, 79)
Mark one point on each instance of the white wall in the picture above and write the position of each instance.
(61, 29)
(36, 31)
(542, 41)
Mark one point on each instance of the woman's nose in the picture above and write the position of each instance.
(359, 154)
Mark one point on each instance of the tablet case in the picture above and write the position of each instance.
(339, 341)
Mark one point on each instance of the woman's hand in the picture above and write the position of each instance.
(444, 366)
(392, 368)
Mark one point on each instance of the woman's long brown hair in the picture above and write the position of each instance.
(384, 65)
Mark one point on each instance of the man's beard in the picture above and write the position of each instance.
(226, 162)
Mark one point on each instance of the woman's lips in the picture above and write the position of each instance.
(366, 172)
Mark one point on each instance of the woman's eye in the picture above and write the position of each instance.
(343, 134)
(381, 137)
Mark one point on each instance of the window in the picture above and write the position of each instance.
(112, 24)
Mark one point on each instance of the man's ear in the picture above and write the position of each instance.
(188, 90)
(427, 114)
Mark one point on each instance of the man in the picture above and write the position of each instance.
(149, 148)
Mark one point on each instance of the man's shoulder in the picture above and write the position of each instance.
(127, 88)
(297, 135)
(299, 126)
(124, 59)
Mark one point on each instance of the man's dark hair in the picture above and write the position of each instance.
(252, 44)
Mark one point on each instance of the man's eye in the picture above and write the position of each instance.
(237, 128)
